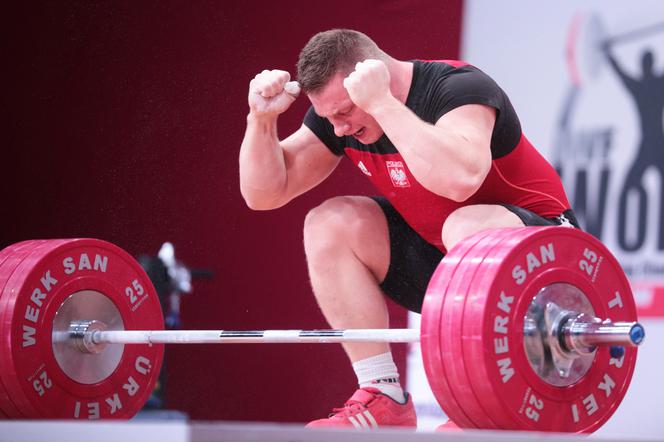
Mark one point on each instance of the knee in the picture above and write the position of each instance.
(468, 220)
(328, 225)
(345, 231)
(458, 225)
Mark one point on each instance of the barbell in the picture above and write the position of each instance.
(528, 328)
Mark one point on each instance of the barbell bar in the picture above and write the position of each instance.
(577, 332)
(538, 323)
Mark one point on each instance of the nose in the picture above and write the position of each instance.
(341, 128)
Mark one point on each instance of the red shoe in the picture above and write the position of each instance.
(368, 408)
(448, 426)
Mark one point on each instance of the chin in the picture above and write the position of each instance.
(372, 137)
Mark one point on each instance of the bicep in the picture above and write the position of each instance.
(308, 161)
(474, 124)
(470, 128)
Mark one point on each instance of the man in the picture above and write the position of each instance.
(443, 144)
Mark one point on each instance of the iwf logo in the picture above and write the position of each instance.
(609, 146)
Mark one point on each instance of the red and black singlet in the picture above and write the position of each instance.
(519, 175)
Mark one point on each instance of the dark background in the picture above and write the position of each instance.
(122, 120)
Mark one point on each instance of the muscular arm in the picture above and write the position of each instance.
(451, 158)
(273, 172)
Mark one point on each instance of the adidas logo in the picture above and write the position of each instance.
(363, 168)
(363, 420)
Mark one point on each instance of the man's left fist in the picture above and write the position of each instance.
(368, 84)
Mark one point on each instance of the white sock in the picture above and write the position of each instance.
(380, 372)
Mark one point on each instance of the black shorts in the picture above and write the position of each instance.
(413, 260)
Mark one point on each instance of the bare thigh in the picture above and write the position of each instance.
(467, 220)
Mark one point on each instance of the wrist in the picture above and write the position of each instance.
(261, 118)
(382, 105)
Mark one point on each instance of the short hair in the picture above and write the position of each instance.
(329, 52)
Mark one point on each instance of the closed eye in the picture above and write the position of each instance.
(346, 111)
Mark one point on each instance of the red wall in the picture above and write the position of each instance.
(123, 121)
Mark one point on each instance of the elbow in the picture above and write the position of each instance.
(258, 202)
(257, 205)
(468, 184)
(462, 193)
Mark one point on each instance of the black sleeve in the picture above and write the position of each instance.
(469, 85)
(465, 87)
(324, 131)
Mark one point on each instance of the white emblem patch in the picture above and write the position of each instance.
(397, 174)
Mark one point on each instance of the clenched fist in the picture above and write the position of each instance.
(368, 84)
(272, 92)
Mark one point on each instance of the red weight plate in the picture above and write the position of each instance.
(21, 253)
(449, 333)
(430, 330)
(473, 323)
(452, 338)
(477, 298)
(474, 311)
(10, 258)
(498, 365)
(93, 279)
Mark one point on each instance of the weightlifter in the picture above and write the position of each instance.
(442, 143)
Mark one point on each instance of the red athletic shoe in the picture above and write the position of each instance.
(368, 408)
(448, 426)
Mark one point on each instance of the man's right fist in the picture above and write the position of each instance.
(272, 92)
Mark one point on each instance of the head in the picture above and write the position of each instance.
(324, 62)
(647, 62)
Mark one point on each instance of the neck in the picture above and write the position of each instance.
(401, 76)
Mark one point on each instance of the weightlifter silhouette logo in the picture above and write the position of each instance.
(609, 146)
(648, 93)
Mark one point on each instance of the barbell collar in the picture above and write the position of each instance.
(81, 332)
(581, 333)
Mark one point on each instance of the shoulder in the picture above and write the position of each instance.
(439, 86)
(454, 74)
(446, 80)
(426, 71)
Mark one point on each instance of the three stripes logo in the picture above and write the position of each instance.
(363, 420)
(363, 168)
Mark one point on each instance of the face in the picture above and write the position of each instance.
(332, 102)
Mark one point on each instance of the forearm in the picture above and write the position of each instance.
(439, 159)
(263, 174)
